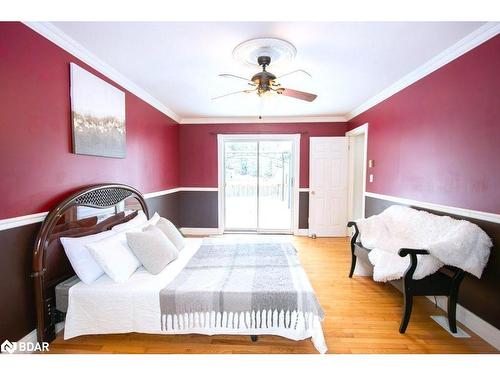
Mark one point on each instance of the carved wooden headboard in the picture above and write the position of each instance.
(50, 264)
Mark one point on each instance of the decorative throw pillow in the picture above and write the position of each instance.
(115, 257)
(171, 232)
(153, 249)
(83, 263)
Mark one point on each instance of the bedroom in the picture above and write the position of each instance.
(203, 193)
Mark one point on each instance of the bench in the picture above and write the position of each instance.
(444, 282)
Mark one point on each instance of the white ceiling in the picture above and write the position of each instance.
(178, 63)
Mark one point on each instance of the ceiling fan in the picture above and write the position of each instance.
(266, 82)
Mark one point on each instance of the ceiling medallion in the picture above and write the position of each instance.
(278, 50)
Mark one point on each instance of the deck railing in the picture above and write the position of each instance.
(266, 189)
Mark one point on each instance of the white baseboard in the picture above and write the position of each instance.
(201, 231)
(362, 268)
(477, 325)
(301, 232)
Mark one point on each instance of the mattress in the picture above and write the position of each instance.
(62, 293)
(106, 307)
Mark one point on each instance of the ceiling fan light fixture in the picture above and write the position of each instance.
(263, 52)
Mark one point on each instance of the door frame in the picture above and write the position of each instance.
(362, 129)
(295, 138)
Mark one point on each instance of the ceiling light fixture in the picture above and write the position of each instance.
(261, 52)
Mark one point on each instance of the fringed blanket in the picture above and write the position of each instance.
(240, 286)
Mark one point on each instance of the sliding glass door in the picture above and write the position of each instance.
(258, 184)
(240, 185)
(275, 186)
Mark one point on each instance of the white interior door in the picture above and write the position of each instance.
(328, 186)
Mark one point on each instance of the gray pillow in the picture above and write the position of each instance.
(171, 232)
(153, 249)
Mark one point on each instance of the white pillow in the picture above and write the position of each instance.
(171, 232)
(84, 265)
(154, 219)
(140, 220)
(152, 248)
(115, 257)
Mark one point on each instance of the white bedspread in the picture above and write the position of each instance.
(134, 306)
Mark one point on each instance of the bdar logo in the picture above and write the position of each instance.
(8, 347)
(24, 347)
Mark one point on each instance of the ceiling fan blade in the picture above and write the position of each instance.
(295, 71)
(232, 93)
(226, 75)
(297, 94)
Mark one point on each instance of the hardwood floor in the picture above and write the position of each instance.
(361, 316)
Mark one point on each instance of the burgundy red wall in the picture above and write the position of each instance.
(198, 147)
(37, 167)
(438, 140)
(435, 141)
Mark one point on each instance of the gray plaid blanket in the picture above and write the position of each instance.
(254, 285)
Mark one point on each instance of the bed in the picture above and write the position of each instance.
(105, 306)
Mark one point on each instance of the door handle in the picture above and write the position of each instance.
(312, 192)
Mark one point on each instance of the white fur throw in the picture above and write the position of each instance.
(449, 241)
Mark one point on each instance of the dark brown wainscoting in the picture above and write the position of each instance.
(198, 209)
(17, 314)
(480, 296)
(166, 205)
(304, 210)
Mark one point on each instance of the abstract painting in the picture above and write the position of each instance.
(97, 114)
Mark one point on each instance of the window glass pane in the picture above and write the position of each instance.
(275, 185)
(240, 172)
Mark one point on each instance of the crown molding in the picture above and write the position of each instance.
(61, 39)
(255, 120)
(472, 40)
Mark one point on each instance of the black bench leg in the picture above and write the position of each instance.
(452, 300)
(407, 312)
(353, 265)
(254, 338)
(452, 311)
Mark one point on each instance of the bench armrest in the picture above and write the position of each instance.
(354, 237)
(413, 262)
(404, 252)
